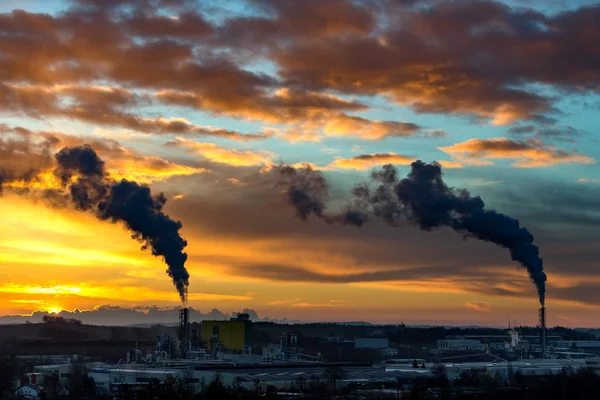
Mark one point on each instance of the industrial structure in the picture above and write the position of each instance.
(542, 315)
(184, 331)
(234, 334)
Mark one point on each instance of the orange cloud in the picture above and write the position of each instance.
(366, 161)
(450, 164)
(103, 105)
(235, 157)
(91, 290)
(529, 153)
(346, 125)
(27, 156)
(479, 307)
(329, 304)
(588, 180)
(279, 106)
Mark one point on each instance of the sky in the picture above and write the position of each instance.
(200, 100)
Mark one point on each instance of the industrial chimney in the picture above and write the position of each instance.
(542, 315)
(184, 330)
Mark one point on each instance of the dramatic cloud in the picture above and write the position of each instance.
(367, 161)
(463, 57)
(529, 153)
(202, 101)
(27, 158)
(214, 153)
(344, 125)
(101, 106)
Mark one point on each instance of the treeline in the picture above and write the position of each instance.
(309, 334)
(55, 319)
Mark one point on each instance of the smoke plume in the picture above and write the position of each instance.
(421, 199)
(307, 192)
(82, 174)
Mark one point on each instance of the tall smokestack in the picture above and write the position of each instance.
(422, 199)
(542, 315)
(184, 330)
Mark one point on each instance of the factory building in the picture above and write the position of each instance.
(504, 369)
(371, 343)
(234, 335)
(460, 345)
(60, 373)
(112, 380)
(578, 344)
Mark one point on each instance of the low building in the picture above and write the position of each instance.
(460, 345)
(389, 352)
(35, 378)
(578, 344)
(59, 373)
(112, 380)
(504, 369)
(371, 343)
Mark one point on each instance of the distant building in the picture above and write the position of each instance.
(578, 344)
(234, 335)
(35, 378)
(371, 343)
(60, 373)
(272, 351)
(113, 380)
(460, 345)
(389, 352)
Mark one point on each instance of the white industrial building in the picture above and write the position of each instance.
(59, 371)
(460, 345)
(530, 367)
(112, 379)
(578, 344)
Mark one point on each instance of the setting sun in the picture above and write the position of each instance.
(54, 310)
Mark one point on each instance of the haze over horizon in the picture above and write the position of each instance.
(200, 101)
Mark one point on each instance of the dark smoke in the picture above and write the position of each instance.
(424, 200)
(307, 192)
(82, 173)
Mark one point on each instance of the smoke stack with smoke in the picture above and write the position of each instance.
(82, 173)
(424, 200)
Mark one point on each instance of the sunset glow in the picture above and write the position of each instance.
(204, 105)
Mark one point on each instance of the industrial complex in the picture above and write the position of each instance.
(197, 354)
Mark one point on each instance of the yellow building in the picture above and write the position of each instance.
(234, 334)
